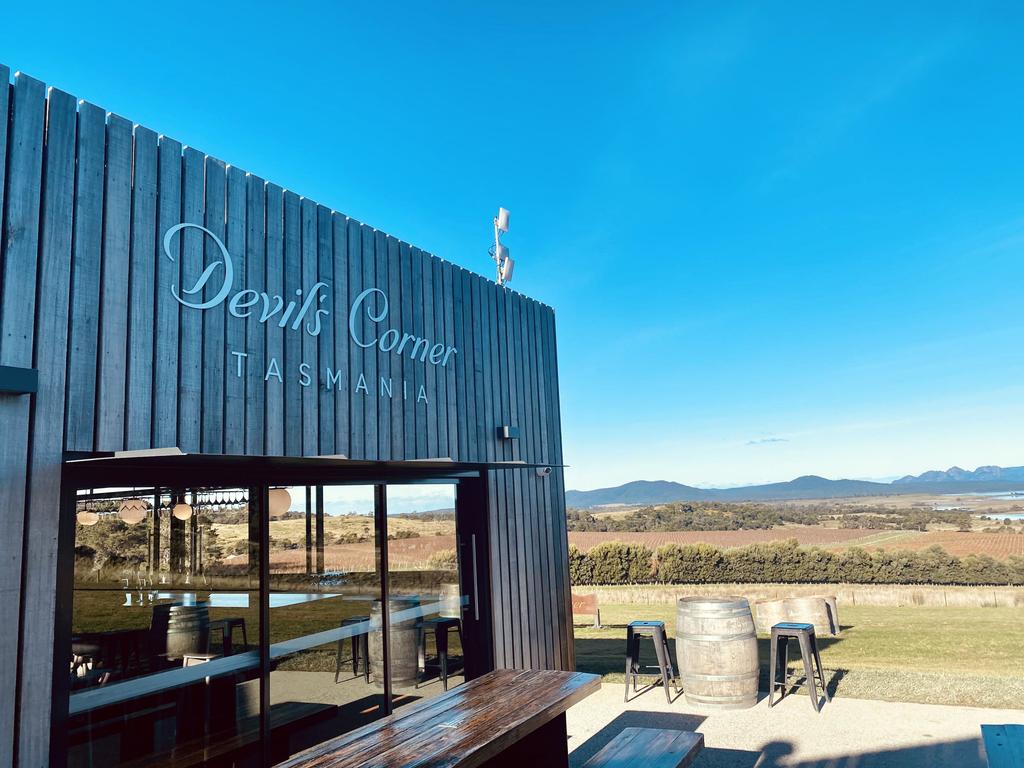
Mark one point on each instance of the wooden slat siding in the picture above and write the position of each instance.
(377, 392)
(343, 390)
(562, 540)
(408, 367)
(549, 526)
(527, 499)
(514, 498)
(19, 245)
(509, 550)
(165, 358)
(463, 341)
(543, 495)
(357, 412)
(142, 291)
(235, 407)
(536, 513)
(500, 524)
(418, 379)
(523, 506)
(50, 358)
(255, 331)
(190, 339)
(325, 340)
(429, 381)
(395, 362)
(274, 389)
(453, 395)
(367, 329)
(85, 284)
(213, 319)
(292, 342)
(436, 336)
(485, 322)
(113, 306)
(308, 277)
(472, 367)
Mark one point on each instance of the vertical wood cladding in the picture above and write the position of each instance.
(86, 297)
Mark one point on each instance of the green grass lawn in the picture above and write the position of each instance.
(967, 656)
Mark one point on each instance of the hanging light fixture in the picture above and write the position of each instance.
(87, 517)
(133, 511)
(182, 511)
(279, 501)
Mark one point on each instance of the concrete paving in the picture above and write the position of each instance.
(848, 733)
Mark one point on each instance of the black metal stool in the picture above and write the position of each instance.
(360, 647)
(656, 631)
(227, 633)
(440, 626)
(804, 634)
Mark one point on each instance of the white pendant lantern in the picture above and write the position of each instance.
(279, 501)
(182, 511)
(133, 511)
(87, 517)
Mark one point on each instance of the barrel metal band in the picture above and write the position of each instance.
(720, 678)
(720, 638)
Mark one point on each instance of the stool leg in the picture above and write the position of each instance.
(821, 670)
(629, 660)
(659, 651)
(785, 666)
(773, 669)
(355, 654)
(364, 641)
(805, 654)
(337, 658)
(245, 638)
(671, 668)
(441, 643)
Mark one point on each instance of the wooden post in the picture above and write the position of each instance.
(319, 529)
(309, 531)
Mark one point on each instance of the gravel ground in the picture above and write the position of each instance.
(849, 733)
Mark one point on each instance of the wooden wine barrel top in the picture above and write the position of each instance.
(464, 727)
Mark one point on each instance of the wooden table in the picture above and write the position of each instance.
(503, 719)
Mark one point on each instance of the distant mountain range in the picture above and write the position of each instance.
(953, 480)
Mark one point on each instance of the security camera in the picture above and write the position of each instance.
(501, 220)
(543, 471)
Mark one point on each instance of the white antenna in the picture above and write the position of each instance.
(499, 253)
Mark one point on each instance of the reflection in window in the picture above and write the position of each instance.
(164, 625)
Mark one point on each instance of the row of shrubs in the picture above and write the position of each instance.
(783, 561)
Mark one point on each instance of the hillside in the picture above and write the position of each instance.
(954, 480)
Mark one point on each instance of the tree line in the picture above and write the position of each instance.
(614, 562)
(721, 516)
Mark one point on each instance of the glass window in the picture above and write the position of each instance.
(165, 622)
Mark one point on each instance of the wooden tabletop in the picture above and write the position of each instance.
(462, 728)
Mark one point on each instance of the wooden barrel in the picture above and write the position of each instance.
(769, 613)
(810, 610)
(403, 643)
(833, 611)
(717, 651)
(188, 630)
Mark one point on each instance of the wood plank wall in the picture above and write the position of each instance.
(85, 198)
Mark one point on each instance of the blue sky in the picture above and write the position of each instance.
(779, 240)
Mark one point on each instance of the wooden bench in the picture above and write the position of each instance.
(504, 719)
(649, 747)
(1004, 745)
(587, 605)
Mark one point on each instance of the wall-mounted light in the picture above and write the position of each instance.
(508, 433)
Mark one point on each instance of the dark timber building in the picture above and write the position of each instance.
(212, 391)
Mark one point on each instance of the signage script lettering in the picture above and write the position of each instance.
(307, 312)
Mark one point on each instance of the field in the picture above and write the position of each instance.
(288, 537)
(967, 656)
